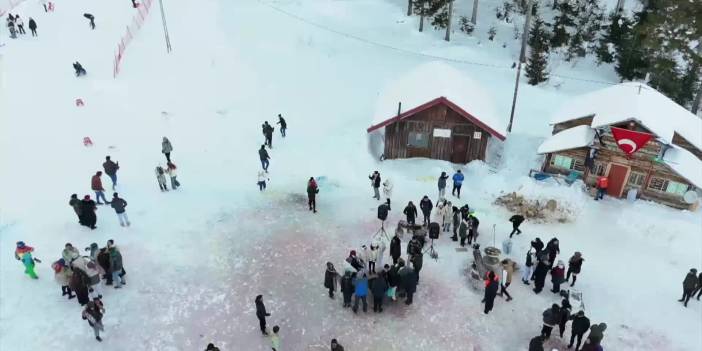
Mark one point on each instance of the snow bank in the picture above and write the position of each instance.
(431, 80)
(684, 163)
(572, 138)
(634, 101)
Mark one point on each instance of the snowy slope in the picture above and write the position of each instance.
(197, 257)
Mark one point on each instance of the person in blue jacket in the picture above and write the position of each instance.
(361, 293)
(457, 182)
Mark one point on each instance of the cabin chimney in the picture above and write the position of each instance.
(399, 108)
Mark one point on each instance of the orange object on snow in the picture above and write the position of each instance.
(602, 182)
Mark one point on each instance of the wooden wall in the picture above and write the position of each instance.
(439, 116)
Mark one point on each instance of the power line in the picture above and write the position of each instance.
(410, 52)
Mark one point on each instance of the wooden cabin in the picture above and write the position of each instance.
(664, 170)
(438, 129)
(448, 117)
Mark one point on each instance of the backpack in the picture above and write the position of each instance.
(159, 170)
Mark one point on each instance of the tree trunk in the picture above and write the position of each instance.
(448, 24)
(698, 99)
(555, 4)
(525, 34)
(409, 7)
(421, 20)
(620, 6)
(474, 15)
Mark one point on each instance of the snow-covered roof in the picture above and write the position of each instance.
(578, 136)
(685, 163)
(634, 101)
(432, 80)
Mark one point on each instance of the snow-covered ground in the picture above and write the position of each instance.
(196, 257)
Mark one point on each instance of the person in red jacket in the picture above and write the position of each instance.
(602, 184)
(96, 185)
(557, 277)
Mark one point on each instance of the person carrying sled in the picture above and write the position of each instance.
(312, 191)
(23, 253)
(161, 178)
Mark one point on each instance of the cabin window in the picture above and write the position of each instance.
(561, 161)
(599, 169)
(636, 179)
(418, 140)
(578, 165)
(668, 186)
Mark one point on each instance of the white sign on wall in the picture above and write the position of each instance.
(442, 133)
(477, 135)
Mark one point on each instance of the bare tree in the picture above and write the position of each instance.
(474, 16)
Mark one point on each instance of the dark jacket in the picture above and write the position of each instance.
(75, 203)
(418, 261)
(690, 282)
(540, 271)
(408, 277)
(575, 264)
(375, 177)
(96, 183)
(337, 348)
(557, 274)
(491, 290)
(283, 124)
(597, 333)
(378, 286)
(395, 247)
(463, 229)
(538, 245)
(312, 190)
(119, 204)
(580, 324)
(347, 284)
(516, 220)
(103, 259)
(456, 217)
(552, 248)
(411, 212)
(263, 154)
(392, 277)
(529, 261)
(261, 309)
(426, 205)
(442, 180)
(536, 344)
(110, 167)
(329, 278)
(115, 259)
(32, 24)
(551, 316)
(414, 247)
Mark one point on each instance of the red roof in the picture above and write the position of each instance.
(432, 103)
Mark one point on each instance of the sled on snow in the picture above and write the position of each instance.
(575, 297)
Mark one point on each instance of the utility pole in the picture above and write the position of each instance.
(474, 15)
(620, 6)
(165, 27)
(421, 18)
(409, 7)
(522, 59)
(448, 24)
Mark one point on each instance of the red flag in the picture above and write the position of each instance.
(630, 141)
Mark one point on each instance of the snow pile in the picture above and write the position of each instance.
(432, 80)
(579, 136)
(684, 163)
(545, 202)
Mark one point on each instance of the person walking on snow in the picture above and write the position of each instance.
(442, 185)
(261, 314)
(426, 206)
(116, 267)
(529, 266)
(457, 183)
(387, 188)
(574, 265)
(80, 71)
(378, 286)
(506, 278)
(516, 222)
(347, 288)
(262, 178)
(166, 148)
(263, 155)
(330, 276)
(375, 184)
(395, 248)
(557, 277)
(111, 170)
(361, 292)
(172, 172)
(96, 185)
(564, 316)
(20, 24)
(119, 204)
(161, 178)
(62, 275)
(463, 231)
(33, 27)
(75, 203)
(579, 327)
(275, 339)
(456, 219)
(93, 312)
(596, 335)
(550, 317)
(491, 287)
(312, 191)
(23, 253)
(91, 18)
(268, 133)
(283, 125)
(87, 211)
(335, 346)
(689, 286)
(409, 280)
(410, 213)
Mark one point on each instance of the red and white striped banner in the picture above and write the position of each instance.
(137, 21)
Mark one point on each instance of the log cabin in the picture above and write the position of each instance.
(666, 169)
(447, 117)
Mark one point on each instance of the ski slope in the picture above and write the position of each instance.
(197, 257)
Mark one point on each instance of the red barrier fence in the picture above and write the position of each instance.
(132, 29)
(8, 5)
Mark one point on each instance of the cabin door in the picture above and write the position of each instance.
(460, 148)
(617, 177)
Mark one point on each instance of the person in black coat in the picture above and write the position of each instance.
(261, 314)
(575, 264)
(553, 250)
(426, 205)
(408, 279)
(375, 184)
(540, 275)
(263, 155)
(536, 343)
(283, 125)
(564, 316)
(698, 291)
(395, 248)
(330, 279)
(378, 287)
(579, 327)
(410, 212)
(33, 26)
(538, 245)
(491, 287)
(516, 222)
(442, 185)
(80, 71)
(456, 217)
(87, 211)
(689, 286)
(347, 288)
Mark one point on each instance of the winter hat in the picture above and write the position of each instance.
(86, 197)
(352, 253)
(560, 263)
(578, 254)
(69, 245)
(581, 313)
(693, 270)
(20, 244)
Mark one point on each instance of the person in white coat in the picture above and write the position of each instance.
(372, 258)
(262, 179)
(443, 215)
(387, 188)
(529, 266)
(364, 255)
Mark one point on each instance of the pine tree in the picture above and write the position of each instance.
(586, 25)
(611, 40)
(563, 23)
(538, 56)
(689, 84)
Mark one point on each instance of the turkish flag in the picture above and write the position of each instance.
(630, 141)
